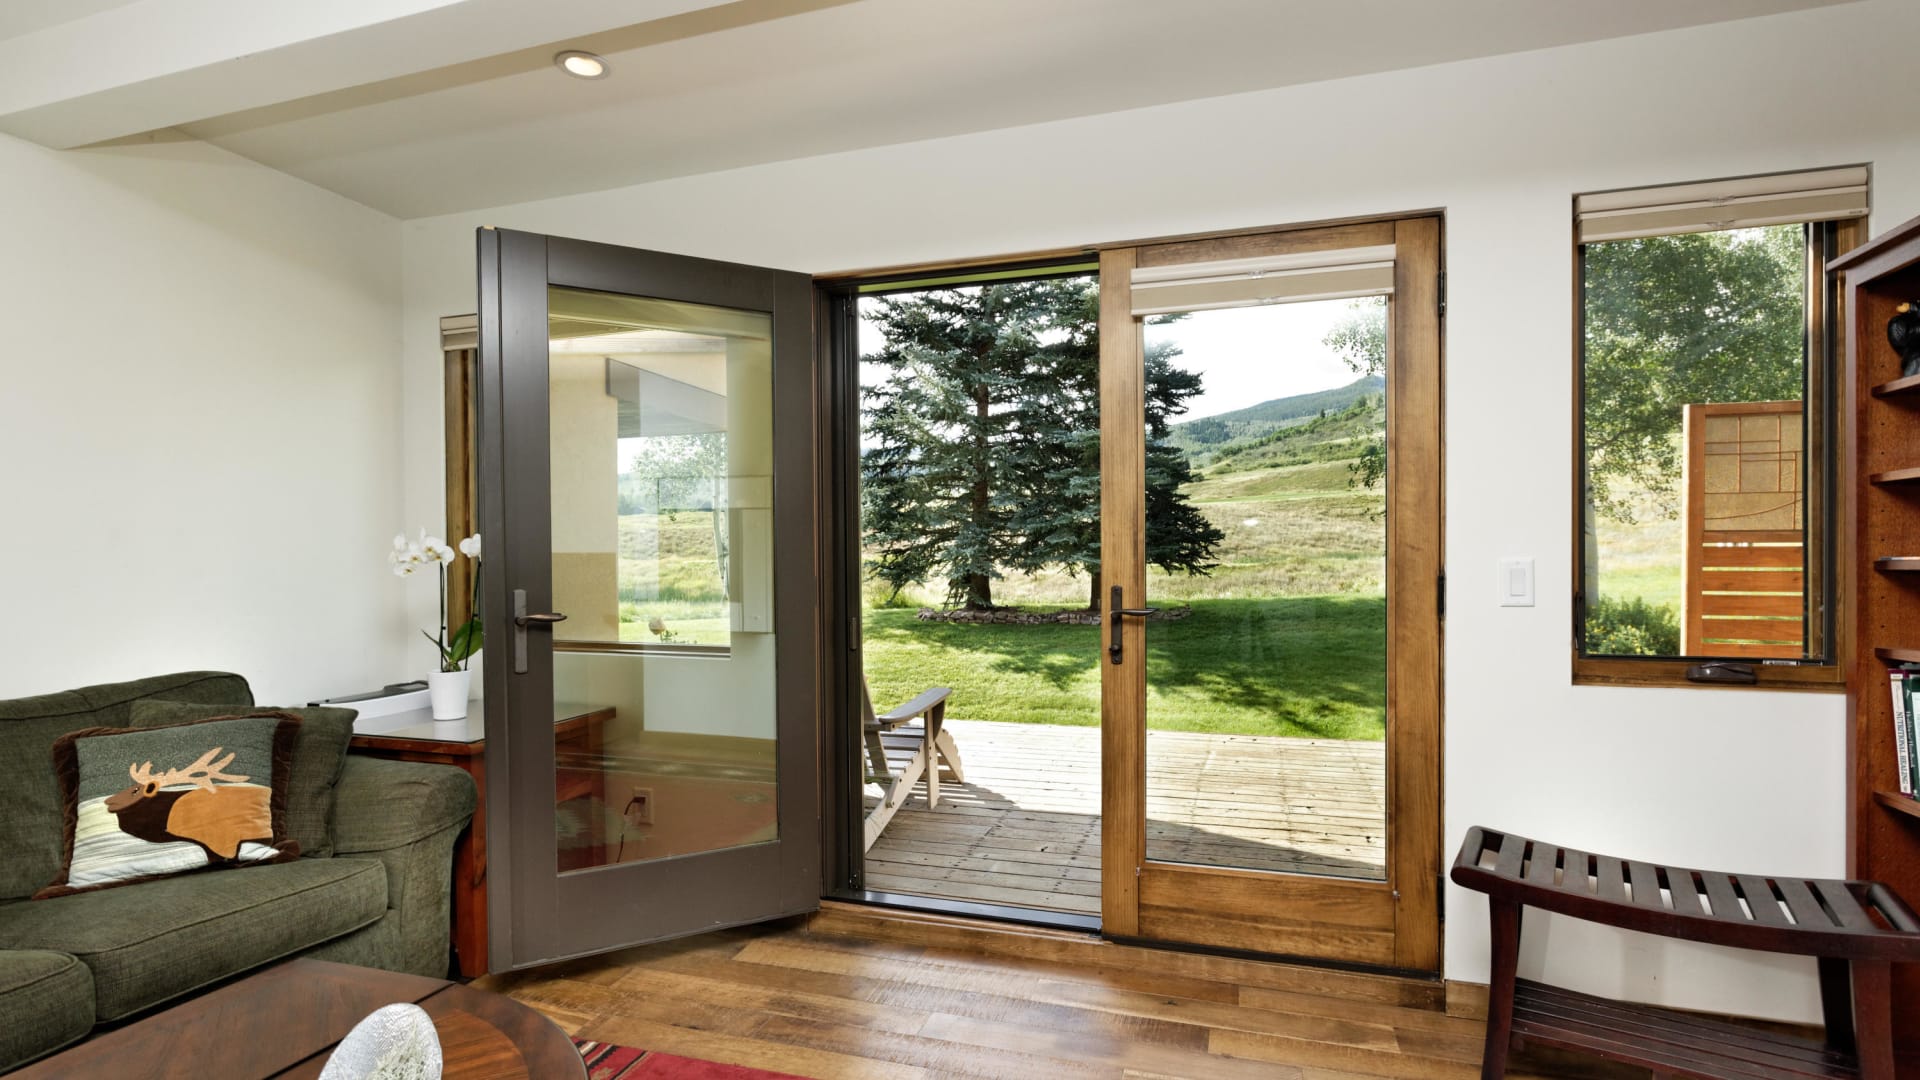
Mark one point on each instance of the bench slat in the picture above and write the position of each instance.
(1845, 908)
(1760, 899)
(1686, 895)
(1807, 911)
(1612, 883)
(1577, 878)
(1726, 905)
(1646, 884)
(1513, 851)
(1540, 867)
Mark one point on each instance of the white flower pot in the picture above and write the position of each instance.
(448, 692)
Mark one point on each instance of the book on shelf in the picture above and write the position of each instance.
(1902, 752)
(1900, 680)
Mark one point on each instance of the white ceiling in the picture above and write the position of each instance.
(719, 85)
(19, 17)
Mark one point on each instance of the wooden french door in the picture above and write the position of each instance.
(1269, 844)
(647, 456)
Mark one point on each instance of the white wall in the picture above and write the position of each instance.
(1705, 777)
(199, 424)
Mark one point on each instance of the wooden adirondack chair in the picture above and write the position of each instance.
(898, 754)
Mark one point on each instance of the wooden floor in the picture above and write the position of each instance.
(1024, 830)
(845, 997)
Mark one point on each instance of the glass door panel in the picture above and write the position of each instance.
(647, 454)
(1270, 724)
(661, 476)
(1267, 677)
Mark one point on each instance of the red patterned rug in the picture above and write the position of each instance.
(606, 1061)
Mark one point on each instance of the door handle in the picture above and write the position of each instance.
(1114, 614)
(522, 622)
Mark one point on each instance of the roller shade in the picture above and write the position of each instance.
(1746, 203)
(1271, 279)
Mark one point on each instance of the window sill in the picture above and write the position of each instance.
(644, 648)
(1814, 678)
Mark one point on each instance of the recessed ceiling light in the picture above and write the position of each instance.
(581, 65)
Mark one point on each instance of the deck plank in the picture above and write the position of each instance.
(1024, 830)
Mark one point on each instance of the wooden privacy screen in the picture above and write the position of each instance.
(1744, 481)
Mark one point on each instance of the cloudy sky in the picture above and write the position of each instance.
(1244, 355)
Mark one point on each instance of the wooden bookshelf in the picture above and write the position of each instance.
(1880, 572)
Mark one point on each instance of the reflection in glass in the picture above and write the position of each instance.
(662, 497)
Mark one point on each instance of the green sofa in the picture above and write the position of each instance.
(381, 900)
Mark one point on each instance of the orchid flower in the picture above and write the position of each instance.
(408, 558)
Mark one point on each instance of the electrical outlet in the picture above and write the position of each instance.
(639, 809)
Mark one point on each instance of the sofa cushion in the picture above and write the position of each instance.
(150, 942)
(319, 756)
(206, 794)
(32, 836)
(46, 1002)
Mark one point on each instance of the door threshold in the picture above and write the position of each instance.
(974, 909)
(849, 918)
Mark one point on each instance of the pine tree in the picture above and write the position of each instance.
(984, 441)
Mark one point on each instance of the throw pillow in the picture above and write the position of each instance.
(203, 795)
(319, 756)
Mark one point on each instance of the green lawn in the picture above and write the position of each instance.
(1309, 666)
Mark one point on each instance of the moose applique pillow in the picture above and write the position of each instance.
(154, 802)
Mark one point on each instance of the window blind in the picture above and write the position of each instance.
(1272, 279)
(1745, 203)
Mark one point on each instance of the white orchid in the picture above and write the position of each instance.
(411, 557)
(435, 549)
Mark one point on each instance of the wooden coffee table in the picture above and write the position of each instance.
(284, 1021)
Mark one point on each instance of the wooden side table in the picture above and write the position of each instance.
(416, 736)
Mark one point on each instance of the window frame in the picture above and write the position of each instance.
(1827, 500)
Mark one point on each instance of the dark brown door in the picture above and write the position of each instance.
(646, 461)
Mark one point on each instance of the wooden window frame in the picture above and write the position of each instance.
(1825, 499)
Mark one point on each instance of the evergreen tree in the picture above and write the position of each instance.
(984, 441)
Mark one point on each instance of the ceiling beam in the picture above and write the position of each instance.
(156, 64)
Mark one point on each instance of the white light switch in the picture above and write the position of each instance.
(1516, 582)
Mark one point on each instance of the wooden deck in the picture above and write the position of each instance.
(1024, 830)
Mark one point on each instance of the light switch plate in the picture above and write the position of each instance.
(1516, 583)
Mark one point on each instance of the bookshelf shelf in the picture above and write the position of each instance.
(1895, 476)
(1897, 564)
(1893, 800)
(1908, 385)
(1897, 656)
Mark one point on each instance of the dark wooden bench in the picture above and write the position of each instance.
(1857, 930)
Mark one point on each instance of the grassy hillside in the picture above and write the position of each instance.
(1208, 434)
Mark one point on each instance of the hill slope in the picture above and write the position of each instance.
(1209, 435)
